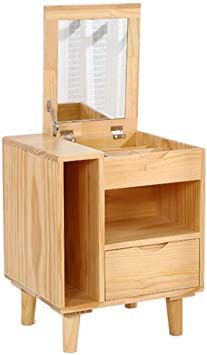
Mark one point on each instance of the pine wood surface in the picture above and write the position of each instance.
(151, 269)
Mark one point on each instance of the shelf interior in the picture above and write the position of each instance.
(81, 231)
(152, 214)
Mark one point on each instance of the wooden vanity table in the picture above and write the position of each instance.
(97, 213)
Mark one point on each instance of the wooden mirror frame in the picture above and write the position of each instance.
(52, 14)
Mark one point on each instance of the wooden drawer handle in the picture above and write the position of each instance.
(154, 247)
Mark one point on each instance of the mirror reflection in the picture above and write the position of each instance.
(92, 69)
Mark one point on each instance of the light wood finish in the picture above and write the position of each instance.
(131, 305)
(132, 71)
(150, 168)
(77, 112)
(76, 301)
(151, 269)
(174, 312)
(101, 222)
(52, 148)
(151, 140)
(87, 112)
(181, 203)
(106, 142)
(28, 308)
(152, 214)
(52, 15)
(133, 140)
(145, 231)
(92, 11)
(50, 72)
(202, 220)
(33, 222)
(70, 332)
(66, 112)
(84, 226)
(131, 151)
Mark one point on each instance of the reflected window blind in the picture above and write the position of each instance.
(92, 64)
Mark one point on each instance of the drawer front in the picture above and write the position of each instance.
(151, 269)
(152, 168)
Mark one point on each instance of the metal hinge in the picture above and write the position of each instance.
(55, 125)
(117, 132)
(68, 135)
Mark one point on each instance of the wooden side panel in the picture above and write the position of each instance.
(132, 71)
(152, 168)
(181, 203)
(33, 223)
(151, 269)
(202, 220)
(50, 71)
(84, 227)
(151, 140)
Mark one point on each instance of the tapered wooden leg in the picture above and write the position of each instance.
(174, 312)
(70, 332)
(131, 305)
(28, 308)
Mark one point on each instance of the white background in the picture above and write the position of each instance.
(172, 103)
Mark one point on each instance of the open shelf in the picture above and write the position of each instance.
(75, 298)
(143, 231)
(81, 232)
(152, 214)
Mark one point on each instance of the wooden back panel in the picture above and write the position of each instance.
(55, 13)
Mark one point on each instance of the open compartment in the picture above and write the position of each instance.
(82, 232)
(148, 160)
(142, 159)
(152, 214)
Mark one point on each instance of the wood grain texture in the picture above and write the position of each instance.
(181, 203)
(33, 222)
(132, 72)
(84, 227)
(145, 231)
(77, 112)
(28, 308)
(151, 269)
(143, 138)
(91, 11)
(77, 301)
(202, 220)
(66, 112)
(150, 168)
(52, 148)
(70, 332)
(174, 312)
(50, 72)
(104, 142)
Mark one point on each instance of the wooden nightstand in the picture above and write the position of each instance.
(97, 213)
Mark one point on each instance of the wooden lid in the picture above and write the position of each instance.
(51, 17)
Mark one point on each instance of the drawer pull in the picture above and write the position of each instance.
(154, 247)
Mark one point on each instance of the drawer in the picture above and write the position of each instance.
(151, 269)
(152, 168)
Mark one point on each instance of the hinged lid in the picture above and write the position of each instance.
(95, 38)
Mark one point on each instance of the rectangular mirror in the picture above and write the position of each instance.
(92, 69)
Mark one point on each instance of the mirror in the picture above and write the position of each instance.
(92, 57)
